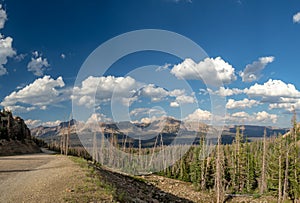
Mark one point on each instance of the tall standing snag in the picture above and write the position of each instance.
(263, 185)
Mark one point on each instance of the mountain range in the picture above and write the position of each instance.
(171, 131)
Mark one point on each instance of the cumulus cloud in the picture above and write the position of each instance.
(272, 90)
(162, 68)
(3, 17)
(100, 90)
(20, 57)
(63, 56)
(97, 90)
(211, 71)
(241, 104)
(37, 65)
(199, 115)
(296, 18)
(37, 95)
(147, 115)
(155, 93)
(288, 104)
(254, 118)
(241, 114)
(6, 51)
(147, 111)
(225, 92)
(264, 116)
(252, 72)
(174, 104)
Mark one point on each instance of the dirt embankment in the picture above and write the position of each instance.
(16, 147)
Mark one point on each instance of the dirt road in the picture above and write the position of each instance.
(37, 178)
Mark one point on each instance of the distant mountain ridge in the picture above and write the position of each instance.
(168, 127)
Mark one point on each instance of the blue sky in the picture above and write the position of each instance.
(43, 46)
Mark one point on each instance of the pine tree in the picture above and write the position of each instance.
(294, 190)
(195, 167)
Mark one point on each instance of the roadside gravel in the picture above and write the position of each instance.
(38, 178)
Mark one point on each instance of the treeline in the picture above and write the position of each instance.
(270, 166)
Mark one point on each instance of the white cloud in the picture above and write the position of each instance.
(288, 104)
(20, 57)
(3, 71)
(37, 65)
(199, 115)
(177, 92)
(152, 114)
(185, 99)
(272, 89)
(162, 68)
(39, 94)
(174, 104)
(241, 104)
(211, 71)
(225, 92)
(181, 97)
(158, 94)
(252, 72)
(35, 54)
(63, 56)
(124, 89)
(3, 17)
(97, 90)
(296, 18)
(255, 118)
(20, 109)
(155, 93)
(264, 116)
(147, 111)
(241, 114)
(6, 51)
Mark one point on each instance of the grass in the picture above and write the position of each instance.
(90, 187)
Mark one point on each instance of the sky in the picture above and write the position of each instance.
(251, 61)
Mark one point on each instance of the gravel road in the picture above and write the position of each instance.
(40, 177)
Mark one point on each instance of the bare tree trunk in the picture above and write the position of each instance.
(153, 150)
(285, 184)
(68, 138)
(203, 156)
(9, 125)
(263, 185)
(279, 171)
(95, 150)
(102, 148)
(218, 180)
(62, 142)
(295, 157)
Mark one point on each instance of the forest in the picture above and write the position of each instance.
(265, 167)
(270, 166)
